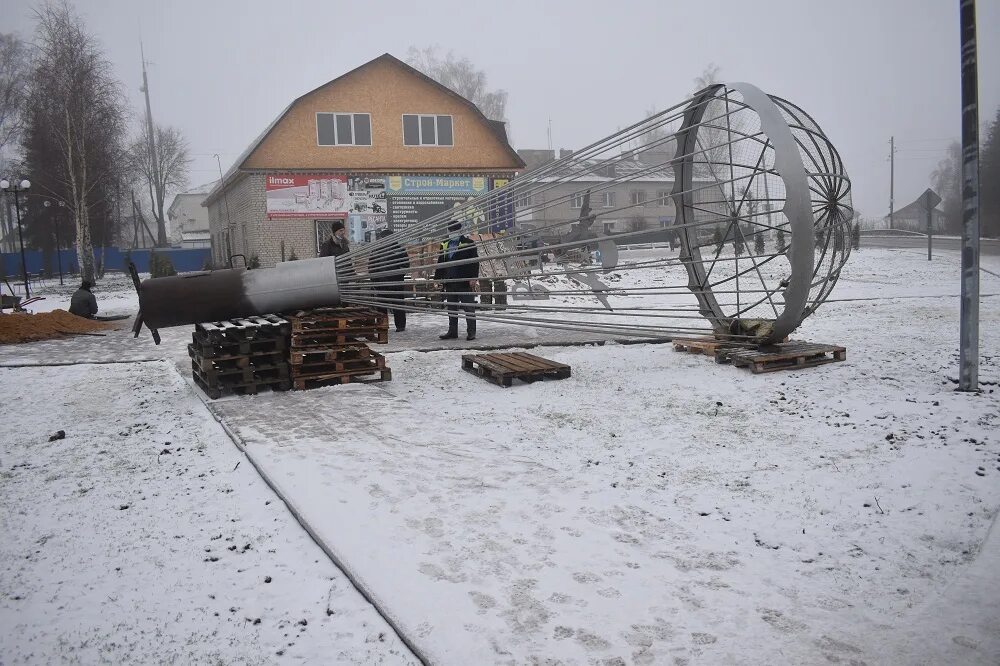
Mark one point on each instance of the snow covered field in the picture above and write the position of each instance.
(654, 508)
(141, 538)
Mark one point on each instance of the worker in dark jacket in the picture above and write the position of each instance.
(389, 272)
(336, 244)
(83, 303)
(459, 280)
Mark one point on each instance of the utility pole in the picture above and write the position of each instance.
(161, 237)
(968, 364)
(892, 175)
(550, 134)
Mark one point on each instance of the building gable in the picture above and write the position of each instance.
(386, 89)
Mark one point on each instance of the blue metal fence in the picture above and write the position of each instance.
(184, 260)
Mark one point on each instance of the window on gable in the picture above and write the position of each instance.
(426, 130)
(343, 129)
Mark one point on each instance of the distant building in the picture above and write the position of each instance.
(188, 218)
(914, 218)
(380, 146)
(632, 195)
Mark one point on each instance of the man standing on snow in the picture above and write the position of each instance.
(83, 303)
(459, 280)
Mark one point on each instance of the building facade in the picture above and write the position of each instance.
(188, 218)
(383, 146)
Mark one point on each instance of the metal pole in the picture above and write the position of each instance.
(930, 216)
(892, 175)
(20, 237)
(968, 364)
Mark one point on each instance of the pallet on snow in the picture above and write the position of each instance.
(504, 368)
(787, 356)
(242, 355)
(328, 346)
(225, 376)
(214, 388)
(718, 349)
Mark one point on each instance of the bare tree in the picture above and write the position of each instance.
(947, 182)
(14, 67)
(461, 76)
(709, 76)
(168, 174)
(74, 121)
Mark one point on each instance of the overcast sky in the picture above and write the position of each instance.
(864, 69)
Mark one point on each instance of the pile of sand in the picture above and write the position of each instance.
(23, 327)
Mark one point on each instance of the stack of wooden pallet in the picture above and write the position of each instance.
(330, 346)
(240, 355)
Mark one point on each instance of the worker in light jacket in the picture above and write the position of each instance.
(460, 281)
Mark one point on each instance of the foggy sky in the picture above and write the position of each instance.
(864, 69)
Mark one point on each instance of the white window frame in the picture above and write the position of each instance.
(608, 200)
(526, 200)
(420, 130)
(662, 200)
(634, 194)
(576, 200)
(336, 138)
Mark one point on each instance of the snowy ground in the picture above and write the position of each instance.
(115, 293)
(141, 538)
(653, 508)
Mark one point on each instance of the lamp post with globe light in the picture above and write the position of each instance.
(18, 186)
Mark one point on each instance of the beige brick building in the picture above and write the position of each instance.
(381, 146)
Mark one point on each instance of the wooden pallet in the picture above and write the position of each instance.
(207, 349)
(718, 349)
(246, 328)
(369, 363)
(335, 378)
(335, 319)
(317, 340)
(346, 353)
(787, 356)
(208, 363)
(504, 368)
(239, 375)
(216, 391)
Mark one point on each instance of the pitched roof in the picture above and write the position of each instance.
(914, 210)
(498, 127)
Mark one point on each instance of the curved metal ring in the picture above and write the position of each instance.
(797, 209)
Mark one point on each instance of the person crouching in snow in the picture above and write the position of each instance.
(83, 303)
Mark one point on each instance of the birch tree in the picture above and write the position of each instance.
(74, 122)
(168, 174)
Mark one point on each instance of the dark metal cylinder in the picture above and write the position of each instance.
(216, 295)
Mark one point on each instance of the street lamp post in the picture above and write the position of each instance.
(15, 187)
(55, 227)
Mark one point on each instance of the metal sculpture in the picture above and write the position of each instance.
(750, 190)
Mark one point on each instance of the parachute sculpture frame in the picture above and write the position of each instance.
(747, 170)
